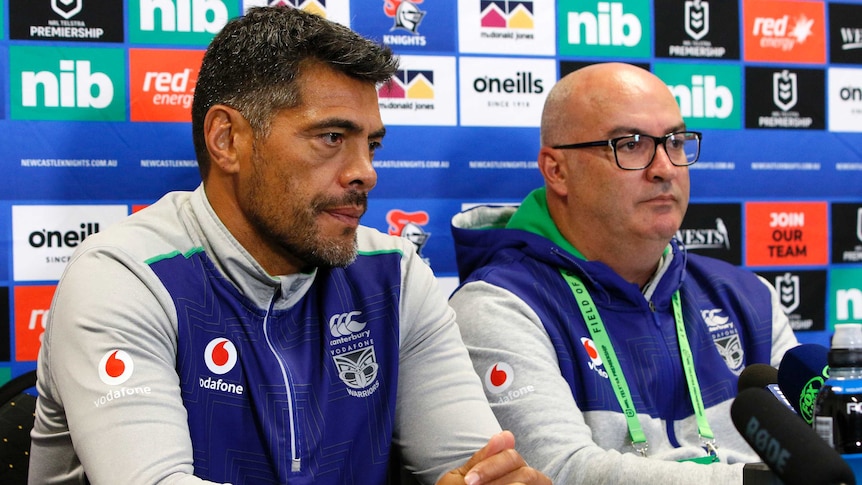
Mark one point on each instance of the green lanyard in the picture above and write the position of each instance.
(618, 381)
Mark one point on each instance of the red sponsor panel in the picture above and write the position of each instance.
(162, 83)
(783, 31)
(31, 314)
(786, 233)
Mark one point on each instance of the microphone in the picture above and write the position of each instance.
(762, 376)
(792, 450)
(801, 374)
(757, 375)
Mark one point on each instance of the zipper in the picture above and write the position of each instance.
(295, 461)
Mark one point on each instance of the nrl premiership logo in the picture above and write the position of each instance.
(67, 8)
(788, 292)
(784, 89)
(696, 18)
(859, 224)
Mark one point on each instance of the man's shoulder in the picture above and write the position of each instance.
(715, 270)
(370, 241)
(159, 228)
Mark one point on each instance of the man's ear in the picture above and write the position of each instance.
(228, 136)
(554, 169)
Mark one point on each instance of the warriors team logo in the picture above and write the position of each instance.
(784, 89)
(357, 369)
(116, 367)
(788, 292)
(696, 18)
(499, 377)
(66, 8)
(726, 338)
(406, 14)
(352, 351)
(220, 355)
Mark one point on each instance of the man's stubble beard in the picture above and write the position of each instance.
(294, 229)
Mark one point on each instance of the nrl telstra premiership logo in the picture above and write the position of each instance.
(696, 19)
(784, 93)
(67, 8)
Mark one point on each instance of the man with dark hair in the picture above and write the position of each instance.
(251, 331)
(611, 352)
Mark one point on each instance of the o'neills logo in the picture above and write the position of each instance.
(522, 83)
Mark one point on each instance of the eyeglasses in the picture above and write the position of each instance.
(636, 152)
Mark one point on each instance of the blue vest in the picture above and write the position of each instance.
(304, 395)
(727, 314)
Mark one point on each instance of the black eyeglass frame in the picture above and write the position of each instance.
(659, 140)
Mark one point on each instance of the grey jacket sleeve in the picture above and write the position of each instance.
(107, 380)
(442, 417)
(550, 429)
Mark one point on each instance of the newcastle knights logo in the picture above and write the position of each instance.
(788, 292)
(696, 18)
(784, 89)
(406, 14)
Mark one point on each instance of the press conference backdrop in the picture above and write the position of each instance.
(95, 125)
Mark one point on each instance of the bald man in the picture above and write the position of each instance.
(577, 305)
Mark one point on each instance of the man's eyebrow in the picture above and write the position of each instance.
(346, 125)
(629, 130)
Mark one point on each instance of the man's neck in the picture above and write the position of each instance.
(635, 263)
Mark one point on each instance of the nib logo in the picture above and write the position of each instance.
(706, 95)
(606, 29)
(67, 84)
(188, 22)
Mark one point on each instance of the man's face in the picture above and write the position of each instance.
(645, 204)
(310, 177)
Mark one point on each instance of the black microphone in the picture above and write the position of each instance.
(757, 376)
(801, 374)
(792, 450)
(762, 376)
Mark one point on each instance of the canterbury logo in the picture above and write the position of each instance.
(343, 324)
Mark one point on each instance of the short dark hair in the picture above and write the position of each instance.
(254, 63)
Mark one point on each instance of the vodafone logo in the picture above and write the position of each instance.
(116, 367)
(596, 363)
(220, 355)
(592, 351)
(499, 377)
